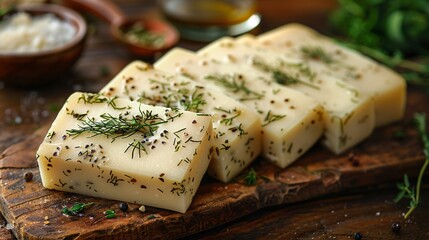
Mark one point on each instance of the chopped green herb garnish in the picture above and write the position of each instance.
(109, 214)
(76, 208)
(251, 178)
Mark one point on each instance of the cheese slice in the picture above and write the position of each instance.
(322, 54)
(291, 121)
(236, 128)
(349, 114)
(123, 150)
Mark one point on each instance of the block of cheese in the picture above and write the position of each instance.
(291, 121)
(236, 128)
(349, 116)
(123, 150)
(324, 55)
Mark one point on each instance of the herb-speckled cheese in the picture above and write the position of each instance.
(291, 121)
(236, 128)
(123, 150)
(349, 116)
(324, 55)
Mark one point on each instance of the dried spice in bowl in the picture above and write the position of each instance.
(140, 35)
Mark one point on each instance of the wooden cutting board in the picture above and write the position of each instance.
(35, 212)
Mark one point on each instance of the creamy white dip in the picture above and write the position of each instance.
(22, 33)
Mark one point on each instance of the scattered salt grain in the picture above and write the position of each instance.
(9, 226)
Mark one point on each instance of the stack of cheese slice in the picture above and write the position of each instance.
(349, 114)
(323, 55)
(292, 122)
(236, 128)
(123, 150)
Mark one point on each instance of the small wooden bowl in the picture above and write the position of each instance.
(31, 69)
(170, 34)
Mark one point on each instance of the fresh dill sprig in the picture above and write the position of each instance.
(76, 208)
(270, 117)
(222, 110)
(282, 77)
(228, 121)
(136, 146)
(317, 53)
(89, 98)
(111, 126)
(235, 83)
(176, 99)
(240, 130)
(192, 102)
(406, 190)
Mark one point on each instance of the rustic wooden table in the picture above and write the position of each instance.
(370, 211)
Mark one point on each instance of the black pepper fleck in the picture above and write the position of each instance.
(28, 176)
(396, 227)
(353, 159)
(358, 236)
(123, 206)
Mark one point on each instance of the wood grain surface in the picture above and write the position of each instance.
(278, 207)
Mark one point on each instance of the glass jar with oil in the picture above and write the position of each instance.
(207, 20)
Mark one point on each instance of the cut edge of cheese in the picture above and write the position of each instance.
(94, 165)
(347, 129)
(236, 143)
